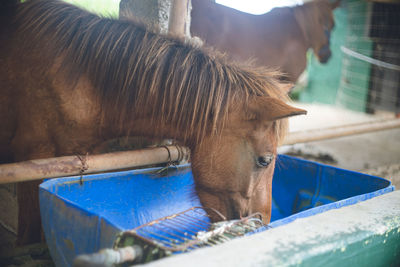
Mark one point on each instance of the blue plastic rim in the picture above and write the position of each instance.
(84, 217)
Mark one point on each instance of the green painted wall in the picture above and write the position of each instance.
(106, 8)
(344, 80)
(354, 84)
(377, 250)
(323, 79)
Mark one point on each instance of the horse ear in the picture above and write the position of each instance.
(335, 4)
(266, 108)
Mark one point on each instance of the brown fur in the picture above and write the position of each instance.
(279, 38)
(70, 80)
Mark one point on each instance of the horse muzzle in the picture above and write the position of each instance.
(239, 207)
(232, 205)
(324, 54)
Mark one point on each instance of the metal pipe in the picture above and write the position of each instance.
(340, 131)
(109, 257)
(75, 165)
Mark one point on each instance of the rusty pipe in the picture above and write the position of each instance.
(75, 165)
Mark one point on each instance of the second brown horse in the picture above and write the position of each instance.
(278, 39)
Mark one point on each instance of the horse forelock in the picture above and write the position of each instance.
(137, 73)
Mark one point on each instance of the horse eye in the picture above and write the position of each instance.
(264, 161)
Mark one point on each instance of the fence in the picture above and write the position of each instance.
(370, 79)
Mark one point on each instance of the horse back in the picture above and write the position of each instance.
(273, 39)
(269, 39)
(40, 107)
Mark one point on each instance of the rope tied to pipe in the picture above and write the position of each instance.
(181, 155)
(84, 166)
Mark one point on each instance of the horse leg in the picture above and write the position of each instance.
(29, 221)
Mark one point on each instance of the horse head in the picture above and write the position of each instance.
(233, 171)
(316, 22)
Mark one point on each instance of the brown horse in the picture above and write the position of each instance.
(70, 80)
(279, 38)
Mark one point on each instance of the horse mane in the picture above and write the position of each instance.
(131, 68)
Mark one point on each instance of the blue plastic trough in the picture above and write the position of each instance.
(83, 216)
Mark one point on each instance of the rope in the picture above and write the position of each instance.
(369, 59)
(181, 153)
(164, 171)
(169, 155)
(181, 156)
(84, 166)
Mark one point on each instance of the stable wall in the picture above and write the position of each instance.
(343, 81)
(323, 79)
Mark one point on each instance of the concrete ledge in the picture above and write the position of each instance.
(364, 234)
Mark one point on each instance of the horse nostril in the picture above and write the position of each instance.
(264, 161)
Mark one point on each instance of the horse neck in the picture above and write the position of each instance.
(153, 128)
(307, 22)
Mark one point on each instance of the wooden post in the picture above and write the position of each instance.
(179, 19)
(164, 16)
(154, 13)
